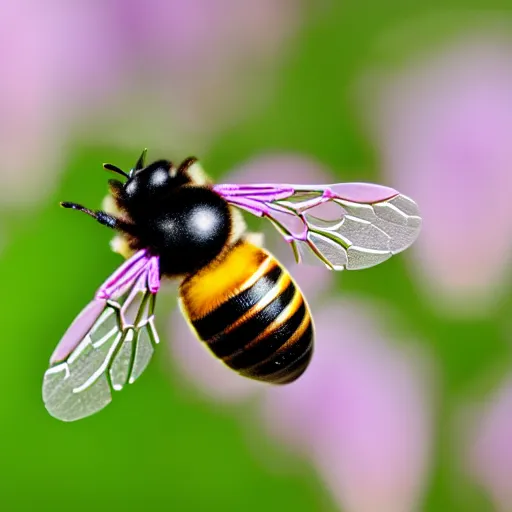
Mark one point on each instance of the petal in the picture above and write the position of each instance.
(51, 68)
(444, 130)
(489, 447)
(57, 78)
(181, 48)
(362, 412)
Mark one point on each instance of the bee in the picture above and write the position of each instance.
(174, 223)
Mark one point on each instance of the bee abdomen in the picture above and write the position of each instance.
(262, 329)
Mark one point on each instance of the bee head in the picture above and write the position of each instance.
(150, 181)
(146, 183)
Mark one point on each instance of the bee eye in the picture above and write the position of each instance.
(131, 187)
(159, 178)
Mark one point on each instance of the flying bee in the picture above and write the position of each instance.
(174, 223)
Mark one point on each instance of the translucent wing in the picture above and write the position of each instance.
(108, 345)
(344, 225)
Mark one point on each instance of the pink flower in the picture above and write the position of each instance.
(195, 68)
(490, 450)
(362, 412)
(165, 74)
(444, 131)
(51, 69)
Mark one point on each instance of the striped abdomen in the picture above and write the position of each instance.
(250, 313)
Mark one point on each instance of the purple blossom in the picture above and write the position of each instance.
(488, 443)
(166, 74)
(444, 131)
(361, 412)
(51, 69)
(196, 68)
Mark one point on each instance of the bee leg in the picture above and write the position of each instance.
(102, 217)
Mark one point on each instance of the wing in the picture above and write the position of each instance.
(108, 345)
(343, 226)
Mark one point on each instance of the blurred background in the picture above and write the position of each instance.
(407, 405)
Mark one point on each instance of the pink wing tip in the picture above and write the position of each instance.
(77, 330)
(363, 192)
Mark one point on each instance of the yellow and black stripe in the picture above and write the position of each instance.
(251, 315)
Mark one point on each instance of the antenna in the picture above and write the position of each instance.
(113, 168)
(140, 162)
(101, 217)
